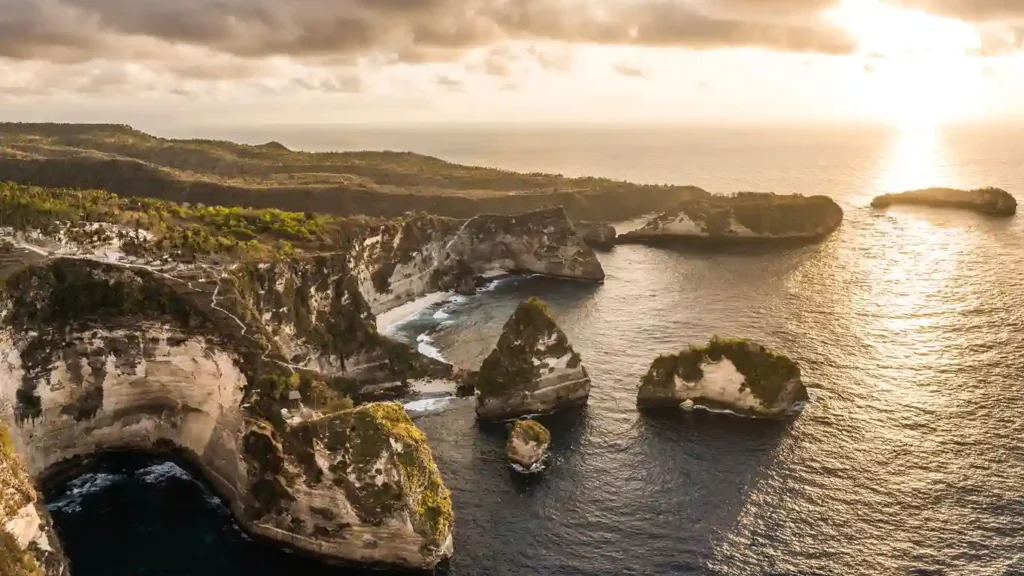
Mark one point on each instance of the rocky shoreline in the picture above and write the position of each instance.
(990, 201)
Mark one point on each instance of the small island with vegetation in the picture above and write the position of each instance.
(532, 370)
(745, 217)
(991, 201)
(737, 376)
(528, 443)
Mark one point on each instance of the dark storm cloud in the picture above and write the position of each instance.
(47, 29)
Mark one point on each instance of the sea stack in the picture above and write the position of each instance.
(532, 370)
(992, 201)
(598, 235)
(745, 217)
(735, 375)
(528, 444)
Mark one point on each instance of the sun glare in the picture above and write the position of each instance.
(919, 70)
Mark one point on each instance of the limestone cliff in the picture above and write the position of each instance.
(992, 201)
(743, 217)
(149, 325)
(528, 443)
(734, 375)
(532, 369)
(597, 235)
(28, 545)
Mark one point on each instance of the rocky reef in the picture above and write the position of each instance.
(144, 325)
(597, 235)
(532, 369)
(528, 443)
(742, 217)
(992, 201)
(735, 375)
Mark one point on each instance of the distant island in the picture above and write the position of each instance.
(992, 201)
(742, 217)
(128, 162)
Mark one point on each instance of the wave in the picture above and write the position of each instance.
(427, 348)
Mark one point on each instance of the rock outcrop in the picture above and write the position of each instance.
(597, 235)
(401, 262)
(98, 357)
(533, 369)
(28, 544)
(993, 201)
(743, 217)
(528, 443)
(734, 375)
(153, 326)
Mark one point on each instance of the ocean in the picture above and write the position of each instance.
(908, 325)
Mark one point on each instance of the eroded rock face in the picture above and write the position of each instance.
(532, 370)
(528, 443)
(96, 357)
(28, 544)
(400, 263)
(744, 217)
(734, 375)
(992, 201)
(598, 235)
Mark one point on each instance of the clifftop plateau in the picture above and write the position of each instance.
(131, 163)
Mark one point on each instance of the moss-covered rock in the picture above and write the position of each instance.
(532, 369)
(25, 533)
(528, 443)
(993, 201)
(735, 375)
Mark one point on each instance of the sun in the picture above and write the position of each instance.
(919, 70)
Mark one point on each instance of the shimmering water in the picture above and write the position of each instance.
(908, 325)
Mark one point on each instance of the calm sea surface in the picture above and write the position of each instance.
(909, 325)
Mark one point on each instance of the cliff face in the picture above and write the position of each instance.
(993, 201)
(735, 375)
(533, 368)
(743, 217)
(110, 340)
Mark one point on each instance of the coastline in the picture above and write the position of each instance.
(400, 314)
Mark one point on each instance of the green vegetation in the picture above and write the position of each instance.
(181, 230)
(767, 373)
(362, 436)
(531, 431)
(529, 333)
(131, 163)
(70, 291)
(766, 213)
(15, 493)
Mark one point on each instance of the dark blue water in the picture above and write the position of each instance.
(909, 326)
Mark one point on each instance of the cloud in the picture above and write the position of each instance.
(975, 10)
(449, 82)
(85, 29)
(630, 70)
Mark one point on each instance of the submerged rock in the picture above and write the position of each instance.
(735, 375)
(599, 235)
(743, 217)
(528, 444)
(994, 201)
(533, 369)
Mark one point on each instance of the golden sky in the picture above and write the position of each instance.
(894, 61)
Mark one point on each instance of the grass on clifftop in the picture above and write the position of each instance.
(120, 159)
(766, 372)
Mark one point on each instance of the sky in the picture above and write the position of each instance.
(161, 62)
